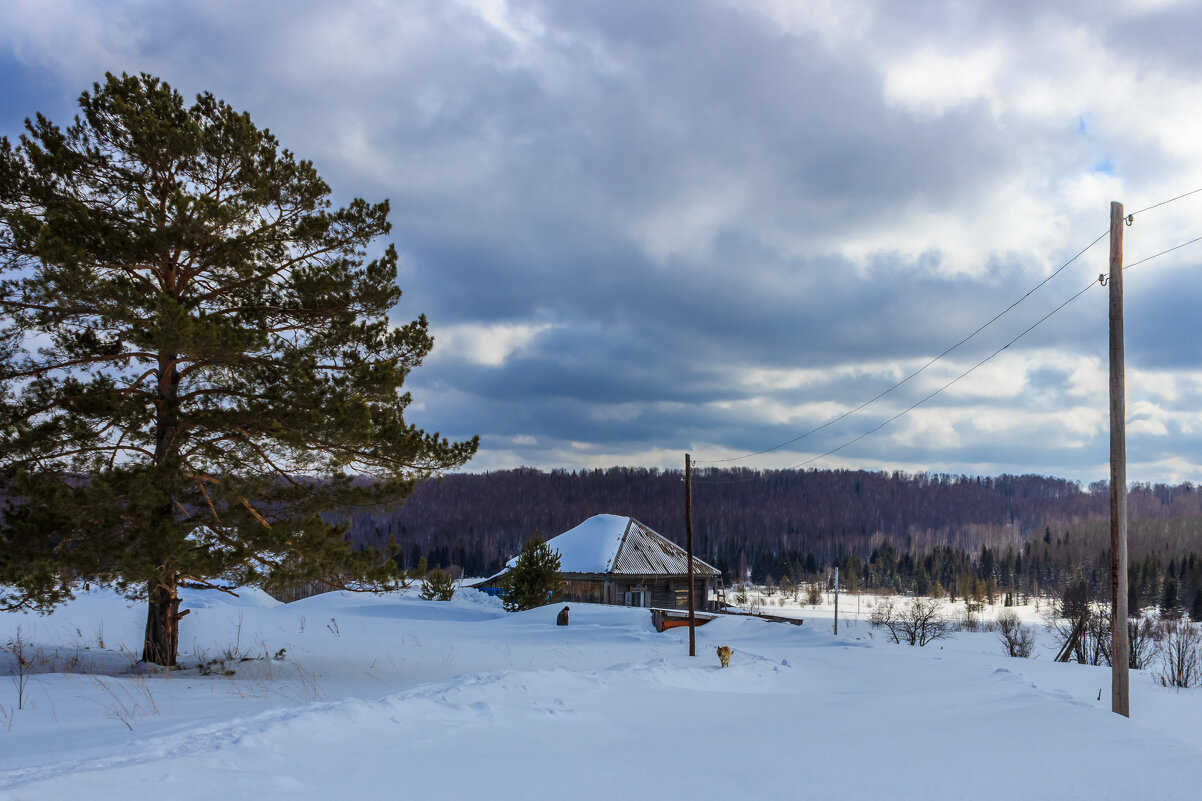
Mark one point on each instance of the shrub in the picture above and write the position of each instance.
(1017, 640)
(1180, 652)
(1144, 637)
(971, 619)
(813, 594)
(740, 597)
(917, 623)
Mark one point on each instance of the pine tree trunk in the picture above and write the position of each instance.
(162, 623)
(162, 615)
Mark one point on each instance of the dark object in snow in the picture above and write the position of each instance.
(562, 618)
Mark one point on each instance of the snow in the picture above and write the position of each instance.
(590, 547)
(393, 696)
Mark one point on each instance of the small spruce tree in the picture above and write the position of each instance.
(534, 580)
(922, 583)
(1169, 601)
(1195, 611)
(1074, 600)
(437, 585)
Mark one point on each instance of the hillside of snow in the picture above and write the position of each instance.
(343, 694)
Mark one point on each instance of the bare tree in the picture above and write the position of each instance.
(1018, 640)
(1144, 637)
(885, 616)
(1095, 641)
(917, 623)
(21, 667)
(1180, 655)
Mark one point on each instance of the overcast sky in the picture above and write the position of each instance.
(643, 228)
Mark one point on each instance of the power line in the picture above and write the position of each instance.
(873, 400)
(950, 349)
(958, 378)
(1163, 203)
(918, 403)
(955, 380)
(1161, 253)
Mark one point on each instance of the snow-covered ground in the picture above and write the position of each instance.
(347, 695)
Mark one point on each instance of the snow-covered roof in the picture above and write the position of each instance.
(591, 546)
(620, 545)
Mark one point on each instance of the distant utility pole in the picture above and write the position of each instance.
(1120, 701)
(836, 600)
(688, 535)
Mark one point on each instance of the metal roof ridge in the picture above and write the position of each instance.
(681, 550)
(613, 562)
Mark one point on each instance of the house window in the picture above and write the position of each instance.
(636, 598)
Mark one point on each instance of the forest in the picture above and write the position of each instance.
(999, 538)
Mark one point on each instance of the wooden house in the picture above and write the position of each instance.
(609, 559)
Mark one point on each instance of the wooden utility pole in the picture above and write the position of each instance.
(1120, 701)
(688, 536)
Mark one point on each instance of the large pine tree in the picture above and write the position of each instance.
(198, 369)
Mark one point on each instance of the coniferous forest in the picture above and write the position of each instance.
(1003, 538)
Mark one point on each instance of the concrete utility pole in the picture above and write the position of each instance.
(1120, 701)
(836, 600)
(688, 535)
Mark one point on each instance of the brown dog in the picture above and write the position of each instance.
(724, 654)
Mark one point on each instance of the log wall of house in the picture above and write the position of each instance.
(584, 591)
(663, 591)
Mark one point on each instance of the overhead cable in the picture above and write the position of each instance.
(1164, 203)
(918, 403)
(1161, 253)
(994, 319)
(876, 398)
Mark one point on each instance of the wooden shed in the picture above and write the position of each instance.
(610, 559)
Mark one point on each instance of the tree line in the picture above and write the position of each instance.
(918, 533)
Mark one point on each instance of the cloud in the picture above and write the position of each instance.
(638, 228)
(489, 345)
(930, 82)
